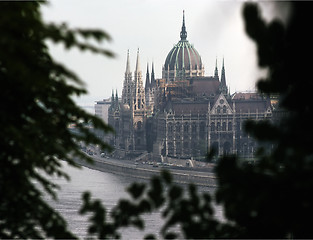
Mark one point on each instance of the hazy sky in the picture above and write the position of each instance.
(215, 28)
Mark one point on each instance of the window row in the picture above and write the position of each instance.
(221, 127)
(219, 109)
(178, 127)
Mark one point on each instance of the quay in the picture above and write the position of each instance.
(145, 172)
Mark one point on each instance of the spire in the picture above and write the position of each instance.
(147, 78)
(112, 100)
(223, 78)
(137, 62)
(138, 91)
(127, 84)
(116, 100)
(216, 71)
(183, 33)
(153, 83)
(223, 88)
(127, 63)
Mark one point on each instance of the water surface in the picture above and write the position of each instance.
(105, 186)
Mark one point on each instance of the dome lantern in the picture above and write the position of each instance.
(183, 33)
(183, 59)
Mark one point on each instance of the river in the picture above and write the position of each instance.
(105, 186)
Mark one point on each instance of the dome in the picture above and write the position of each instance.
(183, 60)
(184, 56)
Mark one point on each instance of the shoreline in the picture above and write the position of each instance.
(121, 168)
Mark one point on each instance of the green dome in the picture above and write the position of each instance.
(183, 55)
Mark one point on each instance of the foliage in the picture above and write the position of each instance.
(191, 211)
(271, 199)
(36, 110)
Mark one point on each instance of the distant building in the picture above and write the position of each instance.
(102, 109)
(185, 113)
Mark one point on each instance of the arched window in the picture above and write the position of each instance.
(117, 125)
(215, 147)
(202, 127)
(230, 126)
(224, 126)
(178, 148)
(212, 127)
(218, 126)
(202, 130)
(224, 109)
(139, 125)
(218, 109)
(177, 127)
(226, 148)
(186, 128)
(194, 129)
(138, 104)
(170, 128)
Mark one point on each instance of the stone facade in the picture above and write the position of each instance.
(183, 114)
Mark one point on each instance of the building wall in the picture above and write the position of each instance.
(184, 118)
(189, 134)
(102, 109)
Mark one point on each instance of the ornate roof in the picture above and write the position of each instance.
(205, 85)
(250, 102)
(183, 55)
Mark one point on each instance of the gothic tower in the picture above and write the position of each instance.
(223, 86)
(138, 90)
(153, 89)
(127, 85)
(153, 82)
(147, 88)
(216, 70)
(138, 109)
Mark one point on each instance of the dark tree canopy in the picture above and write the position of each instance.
(35, 112)
(271, 199)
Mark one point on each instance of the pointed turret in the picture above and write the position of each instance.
(116, 99)
(112, 100)
(183, 33)
(127, 85)
(127, 63)
(223, 87)
(147, 86)
(223, 78)
(153, 82)
(216, 70)
(138, 90)
(137, 62)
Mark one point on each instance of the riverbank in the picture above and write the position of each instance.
(127, 169)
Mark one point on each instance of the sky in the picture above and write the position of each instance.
(215, 28)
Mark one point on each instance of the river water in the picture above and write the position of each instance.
(107, 187)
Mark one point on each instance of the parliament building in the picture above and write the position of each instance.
(185, 113)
